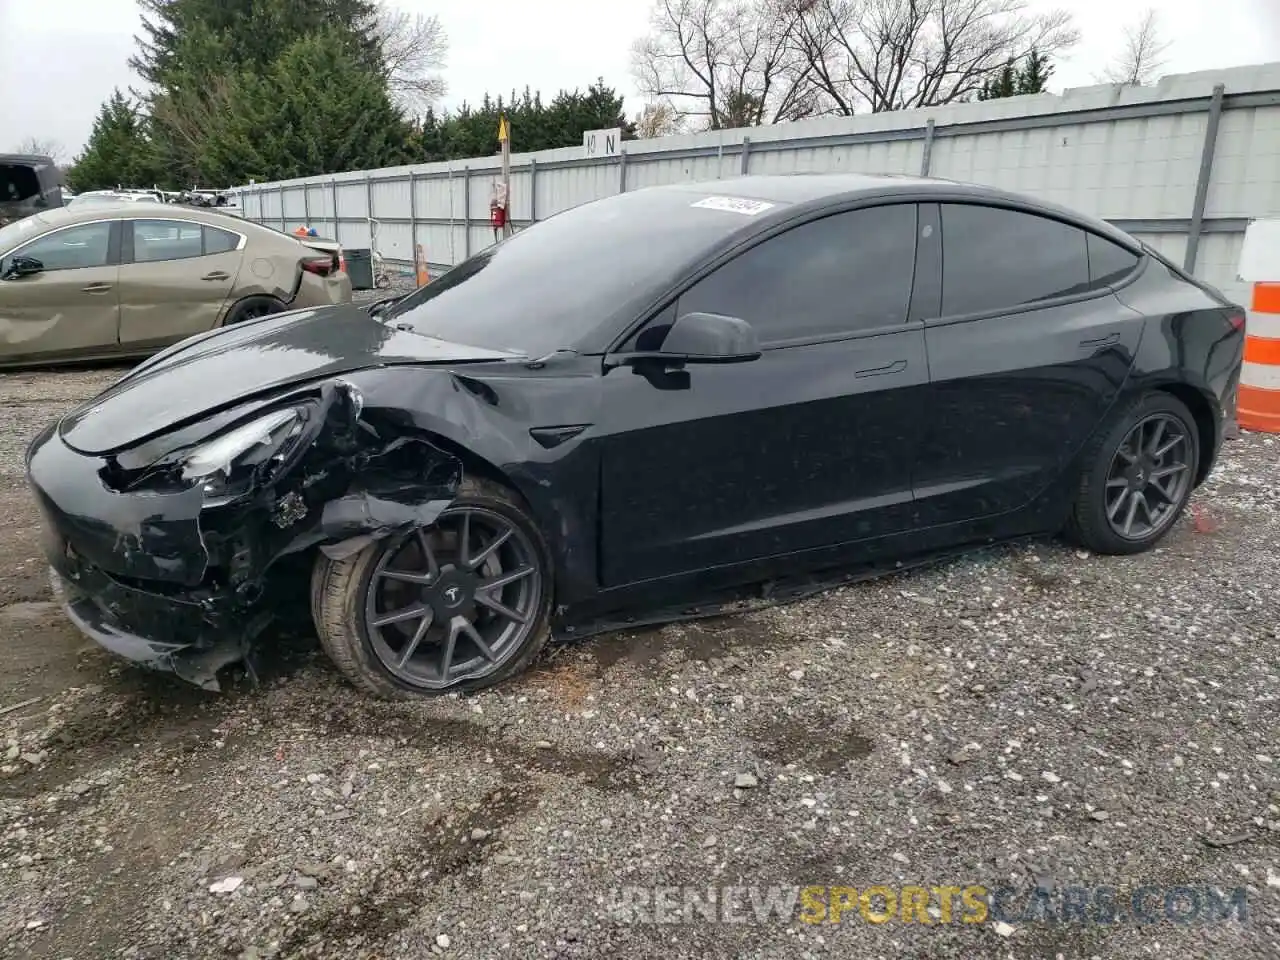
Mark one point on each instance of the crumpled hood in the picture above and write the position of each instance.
(215, 370)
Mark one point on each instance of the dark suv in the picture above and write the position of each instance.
(27, 185)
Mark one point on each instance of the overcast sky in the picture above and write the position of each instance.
(60, 58)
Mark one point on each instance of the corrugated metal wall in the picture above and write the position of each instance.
(1183, 165)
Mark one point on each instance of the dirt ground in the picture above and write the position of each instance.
(1029, 717)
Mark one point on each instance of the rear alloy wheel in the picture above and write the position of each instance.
(1139, 478)
(251, 308)
(459, 605)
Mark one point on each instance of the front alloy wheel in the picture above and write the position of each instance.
(458, 605)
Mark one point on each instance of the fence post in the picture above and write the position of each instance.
(926, 162)
(533, 190)
(622, 169)
(466, 212)
(413, 218)
(746, 155)
(368, 203)
(333, 195)
(1202, 182)
(306, 204)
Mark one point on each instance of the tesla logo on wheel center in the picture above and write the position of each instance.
(452, 596)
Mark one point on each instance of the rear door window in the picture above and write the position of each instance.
(997, 259)
(157, 240)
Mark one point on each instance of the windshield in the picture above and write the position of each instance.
(553, 283)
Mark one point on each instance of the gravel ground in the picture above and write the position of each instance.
(1026, 716)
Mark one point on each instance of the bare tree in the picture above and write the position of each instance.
(190, 116)
(37, 147)
(413, 49)
(1142, 55)
(881, 55)
(724, 63)
(658, 120)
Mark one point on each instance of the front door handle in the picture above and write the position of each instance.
(1106, 341)
(97, 288)
(216, 275)
(896, 367)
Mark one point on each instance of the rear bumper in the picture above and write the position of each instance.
(315, 291)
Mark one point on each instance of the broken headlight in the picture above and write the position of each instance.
(230, 465)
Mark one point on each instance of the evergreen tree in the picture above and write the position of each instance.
(248, 34)
(1035, 73)
(1002, 84)
(1016, 80)
(119, 150)
(473, 132)
(317, 110)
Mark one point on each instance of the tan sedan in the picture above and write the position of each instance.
(122, 280)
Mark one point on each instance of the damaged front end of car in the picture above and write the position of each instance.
(165, 556)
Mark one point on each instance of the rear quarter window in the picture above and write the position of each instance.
(1109, 262)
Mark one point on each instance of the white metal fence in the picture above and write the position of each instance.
(1184, 165)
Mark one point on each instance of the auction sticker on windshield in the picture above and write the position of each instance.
(734, 205)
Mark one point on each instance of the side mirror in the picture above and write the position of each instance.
(22, 267)
(711, 338)
(700, 338)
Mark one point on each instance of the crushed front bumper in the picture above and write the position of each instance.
(127, 621)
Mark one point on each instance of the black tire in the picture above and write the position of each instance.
(1105, 470)
(341, 602)
(250, 308)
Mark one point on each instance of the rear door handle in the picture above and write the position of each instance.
(97, 288)
(216, 275)
(1106, 341)
(896, 367)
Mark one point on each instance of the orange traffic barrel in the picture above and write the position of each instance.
(1258, 407)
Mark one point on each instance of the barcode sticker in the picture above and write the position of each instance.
(734, 205)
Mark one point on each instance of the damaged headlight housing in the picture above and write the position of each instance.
(229, 465)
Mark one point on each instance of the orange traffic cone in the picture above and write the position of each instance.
(420, 266)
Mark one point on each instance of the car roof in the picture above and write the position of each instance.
(133, 209)
(30, 158)
(800, 187)
(793, 192)
(821, 188)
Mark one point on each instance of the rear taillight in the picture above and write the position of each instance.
(1237, 319)
(320, 266)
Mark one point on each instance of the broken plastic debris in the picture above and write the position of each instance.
(226, 885)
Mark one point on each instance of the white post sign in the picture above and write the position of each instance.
(602, 143)
(1260, 255)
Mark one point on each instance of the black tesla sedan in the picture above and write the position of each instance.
(640, 406)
